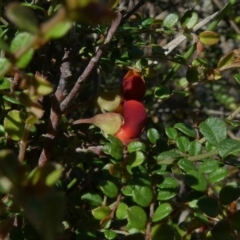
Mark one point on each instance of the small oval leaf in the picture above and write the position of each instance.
(209, 38)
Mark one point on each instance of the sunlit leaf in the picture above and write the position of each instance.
(209, 38)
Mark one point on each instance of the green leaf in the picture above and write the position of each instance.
(142, 195)
(235, 219)
(193, 75)
(19, 42)
(109, 234)
(226, 60)
(127, 191)
(137, 217)
(186, 165)
(163, 232)
(196, 180)
(194, 148)
(228, 146)
(237, 77)
(189, 19)
(209, 38)
(58, 30)
(101, 212)
(4, 65)
(168, 157)
(186, 129)
(92, 198)
(161, 212)
(22, 17)
(214, 130)
(147, 22)
(14, 125)
(43, 87)
(222, 231)
(10, 168)
(4, 84)
(170, 20)
(229, 194)
(4, 46)
(182, 143)
(46, 175)
(171, 132)
(209, 206)
(167, 189)
(153, 135)
(109, 188)
(121, 212)
(218, 175)
(113, 149)
(161, 92)
(136, 146)
(135, 159)
(209, 165)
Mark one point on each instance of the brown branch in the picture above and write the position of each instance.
(55, 114)
(92, 64)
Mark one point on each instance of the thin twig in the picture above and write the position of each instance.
(92, 64)
(177, 41)
(55, 115)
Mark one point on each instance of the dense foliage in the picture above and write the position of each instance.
(80, 81)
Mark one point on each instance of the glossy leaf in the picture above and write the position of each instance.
(214, 130)
(22, 17)
(167, 189)
(209, 206)
(228, 146)
(14, 125)
(135, 159)
(92, 198)
(218, 175)
(189, 19)
(209, 165)
(136, 146)
(136, 217)
(19, 42)
(186, 165)
(101, 212)
(182, 143)
(168, 157)
(209, 38)
(109, 188)
(196, 180)
(121, 212)
(161, 212)
(113, 150)
(142, 195)
(170, 20)
(109, 234)
(186, 129)
(171, 132)
(229, 194)
(194, 148)
(153, 135)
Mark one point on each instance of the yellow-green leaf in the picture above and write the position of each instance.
(209, 38)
